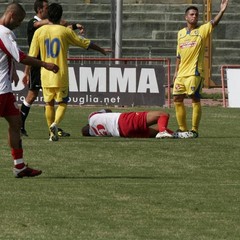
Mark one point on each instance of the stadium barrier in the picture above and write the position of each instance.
(231, 82)
(111, 81)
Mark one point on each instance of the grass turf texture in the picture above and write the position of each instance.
(115, 188)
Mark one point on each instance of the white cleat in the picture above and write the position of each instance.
(164, 134)
(183, 135)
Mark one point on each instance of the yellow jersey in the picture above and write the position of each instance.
(52, 42)
(191, 49)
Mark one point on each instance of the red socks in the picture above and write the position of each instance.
(17, 155)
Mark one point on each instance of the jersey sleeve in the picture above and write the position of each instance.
(77, 40)
(206, 29)
(9, 46)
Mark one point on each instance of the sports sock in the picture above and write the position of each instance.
(196, 115)
(49, 114)
(17, 155)
(181, 115)
(163, 122)
(25, 108)
(60, 112)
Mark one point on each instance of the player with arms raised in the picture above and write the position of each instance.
(189, 73)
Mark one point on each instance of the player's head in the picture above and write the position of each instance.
(55, 12)
(191, 8)
(14, 15)
(191, 15)
(85, 130)
(41, 8)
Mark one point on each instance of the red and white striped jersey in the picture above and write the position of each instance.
(9, 52)
(104, 124)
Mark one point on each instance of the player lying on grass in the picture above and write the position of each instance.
(146, 124)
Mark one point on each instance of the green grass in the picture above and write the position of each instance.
(130, 189)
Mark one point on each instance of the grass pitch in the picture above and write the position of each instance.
(115, 188)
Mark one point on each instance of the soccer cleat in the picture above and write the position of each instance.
(26, 172)
(164, 134)
(53, 133)
(193, 134)
(24, 132)
(181, 134)
(186, 134)
(61, 133)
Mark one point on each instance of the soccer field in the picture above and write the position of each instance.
(130, 189)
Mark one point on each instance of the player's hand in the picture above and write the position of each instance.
(15, 78)
(223, 5)
(81, 29)
(25, 79)
(51, 67)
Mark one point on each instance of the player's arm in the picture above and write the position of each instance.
(73, 26)
(15, 77)
(223, 7)
(26, 76)
(27, 60)
(77, 26)
(38, 24)
(178, 60)
(97, 48)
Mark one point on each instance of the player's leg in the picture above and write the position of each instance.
(50, 112)
(25, 108)
(180, 112)
(197, 83)
(48, 96)
(34, 87)
(60, 112)
(179, 93)
(12, 115)
(160, 119)
(62, 99)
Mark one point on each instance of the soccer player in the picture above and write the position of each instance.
(53, 41)
(34, 81)
(146, 124)
(189, 73)
(9, 53)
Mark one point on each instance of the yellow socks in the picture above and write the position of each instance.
(49, 114)
(196, 115)
(60, 112)
(181, 115)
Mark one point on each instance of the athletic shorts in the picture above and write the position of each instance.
(8, 105)
(133, 125)
(35, 79)
(188, 85)
(57, 94)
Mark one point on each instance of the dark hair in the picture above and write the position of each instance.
(39, 4)
(55, 12)
(85, 130)
(191, 8)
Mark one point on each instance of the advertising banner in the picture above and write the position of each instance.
(121, 85)
(233, 86)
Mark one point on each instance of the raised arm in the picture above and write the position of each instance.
(223, 7)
